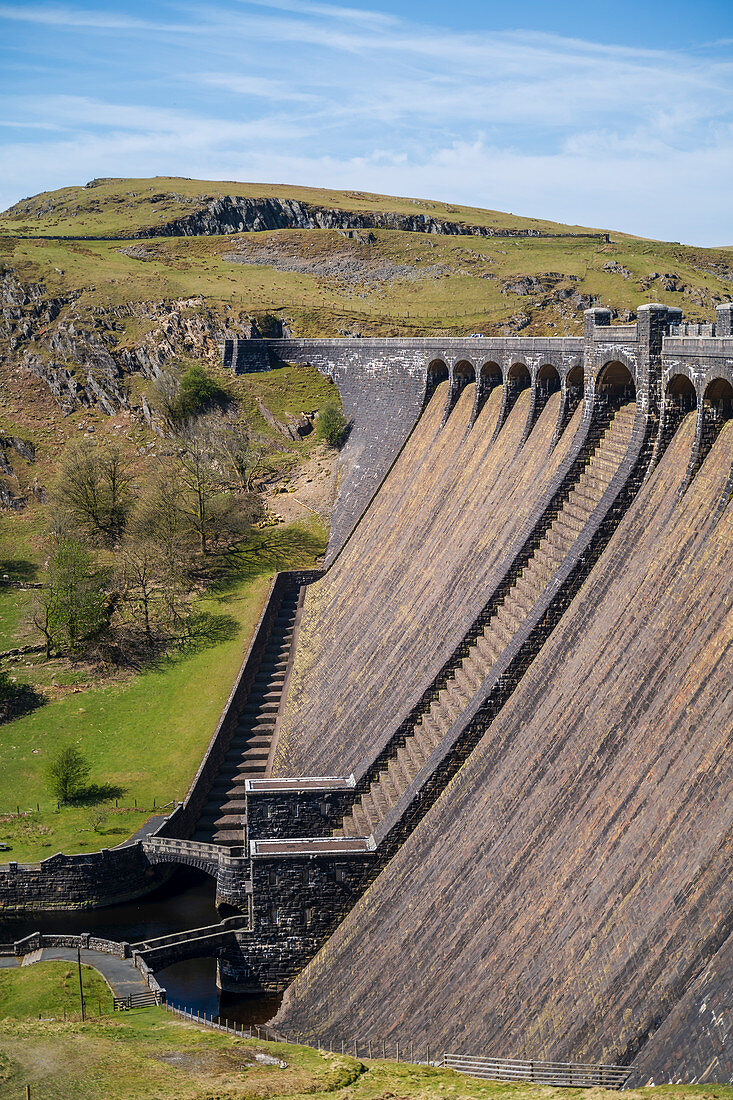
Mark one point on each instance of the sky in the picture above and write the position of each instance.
(614, 115)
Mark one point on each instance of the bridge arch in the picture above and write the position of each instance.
(437, 372)
(464, 372)
(548, 379)
(518, 377)
(489, 378)
(680, 391)
(616, 381)
(718, 395)
(575, 378)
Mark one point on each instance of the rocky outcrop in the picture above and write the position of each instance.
(83, 357)
(234, 214)
(12, 446)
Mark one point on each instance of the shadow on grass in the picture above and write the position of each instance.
(204, 629)
(17, 570)
(267, 551)
(17, 699)
(94, 793)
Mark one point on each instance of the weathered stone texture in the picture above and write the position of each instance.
(574, 878)
(394, 605)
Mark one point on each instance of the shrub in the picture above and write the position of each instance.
(68, 774)
(198, 393)
(331, 426)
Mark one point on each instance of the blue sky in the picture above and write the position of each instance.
(617, 115)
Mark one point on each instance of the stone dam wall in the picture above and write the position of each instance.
(571, 883)
(522, 650)
(419, 564)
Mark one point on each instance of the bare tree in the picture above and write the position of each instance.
(95, 490)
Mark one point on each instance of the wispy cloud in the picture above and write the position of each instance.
(314, 92)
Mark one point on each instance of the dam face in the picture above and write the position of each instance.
(517, 669)
(473, 786)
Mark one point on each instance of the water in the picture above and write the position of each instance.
(186, 901)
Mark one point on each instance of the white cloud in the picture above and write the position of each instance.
(309, 92)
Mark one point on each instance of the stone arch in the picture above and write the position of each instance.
(719, 394)
(575, 378)
(548, 379)
(680, 391)
(463, 374)
(518, 377)
(489, 378)
(616, 382)
(490, 373)
(437, 372)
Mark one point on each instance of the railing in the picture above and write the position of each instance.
(253, 1031)
(576, 1075)
(136, 1000)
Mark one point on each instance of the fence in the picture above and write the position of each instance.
(576, 1075)
(136, 1000)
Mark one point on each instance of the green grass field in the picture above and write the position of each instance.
(150, 1053)
(143, 733)
(51, 990)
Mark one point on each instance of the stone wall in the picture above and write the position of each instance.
(79, 881)
(570, 884)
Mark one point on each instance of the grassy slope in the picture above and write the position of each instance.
(145, 733)
(457, 287)
(51, 989)
(124, 205)
(150, 1053)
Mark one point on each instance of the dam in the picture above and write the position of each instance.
(473, 784)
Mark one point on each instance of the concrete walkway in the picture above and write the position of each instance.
(121, 974)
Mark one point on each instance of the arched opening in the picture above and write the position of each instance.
(718, 397)
(490, 376)
(681, 393)
(463, 374)
(518, 378)
(437, 373)
(574, 380)
(615, 383)
(548, 380)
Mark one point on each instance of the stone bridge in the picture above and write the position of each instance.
(385, 383)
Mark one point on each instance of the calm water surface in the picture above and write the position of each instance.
(186, 901)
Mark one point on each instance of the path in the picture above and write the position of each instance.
(121, 974)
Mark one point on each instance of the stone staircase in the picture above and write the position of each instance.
(609, 448)
(222, 818)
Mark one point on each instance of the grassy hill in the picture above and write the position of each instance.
(136, 1055)
(122, 206)
(321, 281)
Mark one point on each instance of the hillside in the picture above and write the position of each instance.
(89, 327)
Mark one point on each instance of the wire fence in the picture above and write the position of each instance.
(558, 1074)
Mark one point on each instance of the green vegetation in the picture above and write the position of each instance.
(385, 283)
(144, 733)
(151, 1053)
(123, 206)
(331, 426)
(198, 393)
(67, 774)
(50, 990)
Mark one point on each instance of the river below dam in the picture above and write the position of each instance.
(186, 901)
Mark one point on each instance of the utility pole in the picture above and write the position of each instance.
(81, 987)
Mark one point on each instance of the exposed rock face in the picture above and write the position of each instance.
(81, 358)
(232, 214)
(11, 495)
